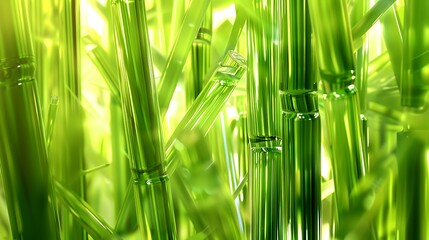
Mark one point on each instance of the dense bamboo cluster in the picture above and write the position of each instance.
(199, 119)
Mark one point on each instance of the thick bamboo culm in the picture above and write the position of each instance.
(227, 119)
(26, 177)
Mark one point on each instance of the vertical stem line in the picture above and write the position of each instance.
(178, 54)
(23, 158)
(335, 59)
(67, 149)
(142, 121)
(266, 174)
(301, 125)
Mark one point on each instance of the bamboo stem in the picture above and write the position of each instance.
(301, 126)
(68, 139)
(209, 103)
(337, 71)
(23, 157)
(142, 122)
(177, 57)
(266, 174)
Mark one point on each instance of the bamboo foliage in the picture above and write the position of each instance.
(227, 119)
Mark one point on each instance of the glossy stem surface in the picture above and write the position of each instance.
(266, 171)
(142, 121)
(201, 54)
(201, 115)
(415, 77)
(301, 139)
(392, 35)
(361, 55)
(412, 202)
(266, 178)
(365, 22)
(67, 146)
(177, 57)
(341, 103)
(23, 158)
(203, 112)
(302, 160)
(122, 173)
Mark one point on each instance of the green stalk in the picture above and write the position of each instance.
(413, 207)
(364, 23)
(223, 154)
(142, 121)
(237, 28)
(361, 59)
(160, 36)
(266, 167)
(415, 78)
(177, 16)
(52, 116)
(67, 148)
(100, 58)
(336, 65)
(359, 10)
(4, 217)
(200, 63)
(301, 125)
(205, 109)
(392, 35)
(243, 155)
(120, 165)
(177, 58)
(122, 173)
(23, 157)
(93, 224)
(201, 115)
(46, 39)
(412, 202)
(201, 53)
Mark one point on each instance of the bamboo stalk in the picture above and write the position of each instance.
(142, 121)
(68, 139)
(178, 54)
(413, 208)
(243, 157)
(341, 103)
(361, 26)
(392, 33)
(201, 115)
(122, 173)
(223, 154)
(201, 54)
(412, 203)
(209, 103)
(414, 83)
(23, 158)
(301, 125)
(266, 168)
(105, 64)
